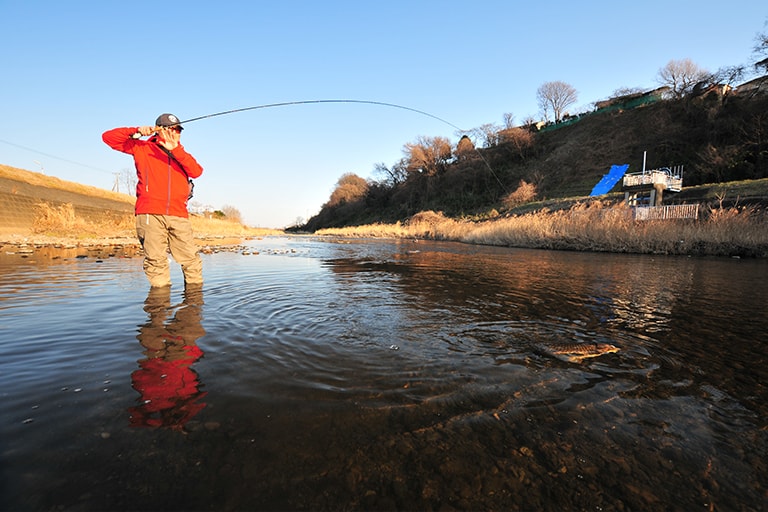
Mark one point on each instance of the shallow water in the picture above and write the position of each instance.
(381, 375)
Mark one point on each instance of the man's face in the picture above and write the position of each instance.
(171, 133)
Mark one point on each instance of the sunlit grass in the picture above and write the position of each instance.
(41, 180)
(64, 222)
(593, 226)
(203, 226)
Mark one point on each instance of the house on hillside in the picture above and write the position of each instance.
(753, 87)
(633, 100)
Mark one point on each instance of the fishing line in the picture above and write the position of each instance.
(368, 102)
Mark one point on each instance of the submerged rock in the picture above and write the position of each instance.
(577, 351)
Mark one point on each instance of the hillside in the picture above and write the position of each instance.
(21, 191)
(717, 139)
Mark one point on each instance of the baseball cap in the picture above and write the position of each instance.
(168, 120)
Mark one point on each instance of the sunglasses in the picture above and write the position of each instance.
(177, 128)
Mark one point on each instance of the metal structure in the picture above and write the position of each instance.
(647, 188)
(669, 178)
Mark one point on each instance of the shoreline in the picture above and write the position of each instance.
(596, 228)
(58, 247)
(128, 247)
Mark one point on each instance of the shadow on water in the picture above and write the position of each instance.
(397, 376)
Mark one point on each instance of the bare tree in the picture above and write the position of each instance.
(555, 97)
(518, 139)
(488, 134)
(465, 148)
(349, 188)
(232, 213)
(391, 176)
(529, 122)
(681, 76)
(761, 50)
(727, 77)
(428, 155)
(509, 120)
(196, 207)
(626, 91)
(128, 179)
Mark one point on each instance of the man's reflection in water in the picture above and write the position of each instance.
(169, 387)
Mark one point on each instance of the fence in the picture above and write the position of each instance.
(674, 211)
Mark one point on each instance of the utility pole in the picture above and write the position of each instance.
(116, 184)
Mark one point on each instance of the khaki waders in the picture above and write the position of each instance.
(159, 234)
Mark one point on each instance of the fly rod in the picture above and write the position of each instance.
(306, 102)
(367, 102)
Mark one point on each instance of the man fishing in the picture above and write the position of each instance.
(164, 169)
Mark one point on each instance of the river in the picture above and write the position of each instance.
(318, 374)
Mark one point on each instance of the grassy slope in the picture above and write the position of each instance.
(61, 221)
(42, 180)
(572, 159)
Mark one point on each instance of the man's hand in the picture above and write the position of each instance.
(168, 138)
(146, 131)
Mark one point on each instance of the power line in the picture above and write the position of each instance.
(54, 156)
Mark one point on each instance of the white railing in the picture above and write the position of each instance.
(673, 211)
(672, 180)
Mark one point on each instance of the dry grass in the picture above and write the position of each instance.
(41, 180)
(64, 222)
(427, 224)
(219, 227)
(592, 226)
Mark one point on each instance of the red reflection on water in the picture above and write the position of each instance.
(169, 387)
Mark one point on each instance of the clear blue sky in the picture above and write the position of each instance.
(71, 70)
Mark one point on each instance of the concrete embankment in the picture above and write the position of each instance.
(19, 200)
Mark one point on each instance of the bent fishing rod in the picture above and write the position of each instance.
(367, 102)
(307, 102)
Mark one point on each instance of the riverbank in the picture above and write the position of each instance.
(732, 222)
(593, 226)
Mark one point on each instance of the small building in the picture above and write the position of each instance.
(758, 86)
(647, 188)
(632, 100)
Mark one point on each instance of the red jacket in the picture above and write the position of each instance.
(162, 187)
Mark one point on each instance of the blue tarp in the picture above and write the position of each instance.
(609, 180)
